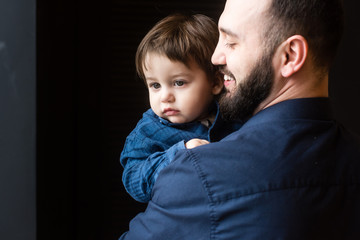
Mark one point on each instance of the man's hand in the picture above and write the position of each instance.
(195, 142)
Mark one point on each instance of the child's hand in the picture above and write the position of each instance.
(195, 142)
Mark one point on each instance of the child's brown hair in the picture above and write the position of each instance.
(181, 38)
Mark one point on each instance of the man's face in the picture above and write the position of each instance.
(247, 67)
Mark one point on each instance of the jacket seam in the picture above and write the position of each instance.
(212, 212)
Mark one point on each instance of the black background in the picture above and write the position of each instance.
(88, 99)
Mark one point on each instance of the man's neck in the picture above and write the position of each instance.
(296, 87)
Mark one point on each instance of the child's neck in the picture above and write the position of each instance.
(208, 121)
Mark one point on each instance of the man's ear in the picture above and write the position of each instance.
(294, 54)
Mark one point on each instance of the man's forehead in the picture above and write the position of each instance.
(242, 11)
(243, 19)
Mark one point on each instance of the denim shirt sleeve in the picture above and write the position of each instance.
(140, 174)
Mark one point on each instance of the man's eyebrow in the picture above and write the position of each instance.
(228, 32)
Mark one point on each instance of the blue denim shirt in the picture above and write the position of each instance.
(153, 143)
(290, 172)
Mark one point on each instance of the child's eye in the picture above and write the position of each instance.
(154, 85)
(179, 83)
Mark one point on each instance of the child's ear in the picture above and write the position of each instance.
(218, 84)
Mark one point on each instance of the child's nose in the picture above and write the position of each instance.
(167, 96)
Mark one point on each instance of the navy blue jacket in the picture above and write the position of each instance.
(291, 172)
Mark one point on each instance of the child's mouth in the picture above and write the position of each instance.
(170, 112)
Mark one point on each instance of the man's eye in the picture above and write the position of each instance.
(179, 83)
(230, 45)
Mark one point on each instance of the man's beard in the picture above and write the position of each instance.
(250, 92)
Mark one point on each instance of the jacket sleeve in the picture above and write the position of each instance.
(179, 208)
(142, 165)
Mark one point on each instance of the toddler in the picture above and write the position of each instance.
(174, 60)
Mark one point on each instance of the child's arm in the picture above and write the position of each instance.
(142, 169)
(149, 148)
(140, 173)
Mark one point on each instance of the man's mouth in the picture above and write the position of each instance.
(228, 80)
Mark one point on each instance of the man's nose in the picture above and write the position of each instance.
(218, 57)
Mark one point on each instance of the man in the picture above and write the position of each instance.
(291, 171)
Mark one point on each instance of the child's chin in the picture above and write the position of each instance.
(176, 120)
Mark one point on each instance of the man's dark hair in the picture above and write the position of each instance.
(320, 22)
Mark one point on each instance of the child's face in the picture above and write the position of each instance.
(178, 93)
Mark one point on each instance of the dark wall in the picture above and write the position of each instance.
(344, 78)
(17, 120)
(89, 99)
